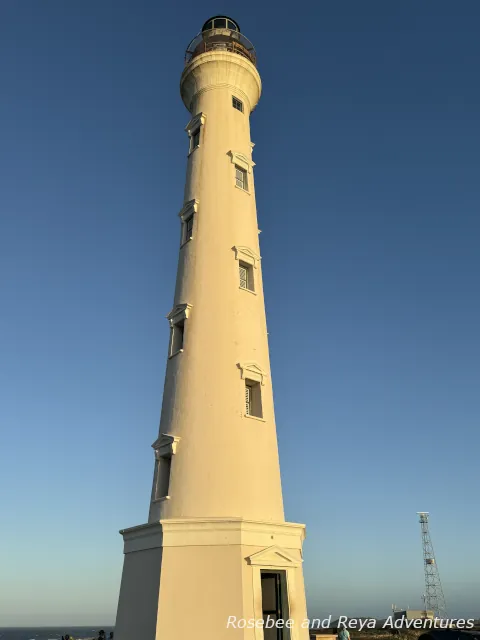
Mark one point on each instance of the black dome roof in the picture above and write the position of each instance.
(204, 28)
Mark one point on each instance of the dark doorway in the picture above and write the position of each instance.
(274, 604)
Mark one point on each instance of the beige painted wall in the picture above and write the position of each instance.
(204, 583)
(226, 464)
(138, 599)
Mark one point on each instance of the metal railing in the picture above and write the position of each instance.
(221, 40)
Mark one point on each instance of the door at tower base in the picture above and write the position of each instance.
(212, 579)
(274, 602)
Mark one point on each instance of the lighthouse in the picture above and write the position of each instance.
(216, 559)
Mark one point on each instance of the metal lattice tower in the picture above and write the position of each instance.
(434, 598)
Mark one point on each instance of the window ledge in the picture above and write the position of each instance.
(162, 499)
(194, 149)
(249, 290)
(175, 354)
(186, 242)
(241, 189)
(254, 418)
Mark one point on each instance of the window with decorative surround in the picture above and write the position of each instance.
(165, 448)
(188, 216)
(242, 167)
(177, 318)
(195, 131)
(253, 377)
(248, 262)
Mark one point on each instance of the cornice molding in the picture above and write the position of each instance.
(165, 445)
(219, 69)
(237, 91)
(241, 160)
(247, 255)
(253, 371)
(178, 313)
(273, 556)
(188, 209)
(228, 531)
(195, 123)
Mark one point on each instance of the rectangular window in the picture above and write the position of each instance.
(195, 139)
(243, 277)
(241, 178)
(253, 399)
(176, 337)
(188, 229)
(162, 485)
(237, 104)
(246, 276)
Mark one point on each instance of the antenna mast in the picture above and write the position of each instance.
(434, 598)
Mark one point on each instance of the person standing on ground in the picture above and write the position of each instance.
(343, 634)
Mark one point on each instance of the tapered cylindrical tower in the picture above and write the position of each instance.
(216, 549)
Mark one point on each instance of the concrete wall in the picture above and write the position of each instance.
(138, 600)
(226, 463)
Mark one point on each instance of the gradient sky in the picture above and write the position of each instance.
(368, 192)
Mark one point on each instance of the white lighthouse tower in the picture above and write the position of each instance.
(216, 557)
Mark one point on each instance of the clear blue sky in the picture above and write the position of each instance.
(367, 176)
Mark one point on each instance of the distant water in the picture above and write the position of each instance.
(50, 633)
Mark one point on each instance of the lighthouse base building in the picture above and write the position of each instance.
(212, 579)
(216, 559)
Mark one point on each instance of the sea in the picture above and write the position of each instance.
(51, 633)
